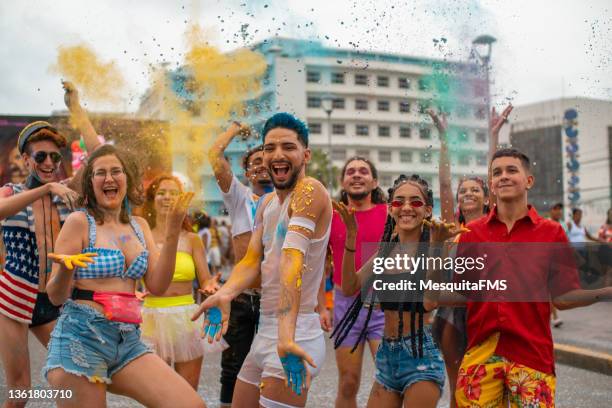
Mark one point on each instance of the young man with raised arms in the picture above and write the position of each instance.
(288, 249)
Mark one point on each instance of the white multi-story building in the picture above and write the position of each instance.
(539, 129)
(378, 107)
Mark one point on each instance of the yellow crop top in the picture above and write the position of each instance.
(184, 270)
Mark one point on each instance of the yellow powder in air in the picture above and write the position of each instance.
(95, 79)
(214, 92)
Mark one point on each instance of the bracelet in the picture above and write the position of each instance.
(348, 249)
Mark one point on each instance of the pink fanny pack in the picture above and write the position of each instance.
(121, 307)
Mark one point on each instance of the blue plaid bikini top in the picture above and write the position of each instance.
(110, 263)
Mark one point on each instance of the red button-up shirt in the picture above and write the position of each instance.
(524, 327)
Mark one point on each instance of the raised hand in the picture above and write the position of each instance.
(217, 308)
(497, 121)
(347, 215)
(179, 209)
(71, 96)
(440, 122)
(292, 357)
(70, 261)
(441, 231)
(242, 129)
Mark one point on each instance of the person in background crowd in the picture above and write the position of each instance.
(241, 202)
(360, 193)
(166, 319)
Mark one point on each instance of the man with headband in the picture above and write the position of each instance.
(241, 202)
(31, 214)
(288, 248)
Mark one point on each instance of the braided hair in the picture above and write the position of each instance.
(387, 244)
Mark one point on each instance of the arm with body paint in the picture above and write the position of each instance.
(310, 208)
(217, 306)
(221, 167)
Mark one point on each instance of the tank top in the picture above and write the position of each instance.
(275, 225)
(576, 233)
(184, 270)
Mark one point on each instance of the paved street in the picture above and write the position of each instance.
(577, 388)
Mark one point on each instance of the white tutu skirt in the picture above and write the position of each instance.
(170, 332)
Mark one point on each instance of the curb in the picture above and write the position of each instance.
(583, 358)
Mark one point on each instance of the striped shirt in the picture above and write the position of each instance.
(19, 279)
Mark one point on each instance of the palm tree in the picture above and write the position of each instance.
(319, 169)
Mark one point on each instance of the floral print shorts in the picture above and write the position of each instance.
(487, 380)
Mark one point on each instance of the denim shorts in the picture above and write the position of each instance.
(397, 368)
(86, 343)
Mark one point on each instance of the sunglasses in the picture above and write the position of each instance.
(413, 203)
(40, 156)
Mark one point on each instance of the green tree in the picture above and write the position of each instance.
(319, 169)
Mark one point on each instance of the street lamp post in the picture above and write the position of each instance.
(485, 41)
(328, 107)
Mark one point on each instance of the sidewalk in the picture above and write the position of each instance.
(585, 338)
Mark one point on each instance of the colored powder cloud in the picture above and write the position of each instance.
(97, 80)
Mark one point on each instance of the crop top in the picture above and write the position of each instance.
(110, 262)
(185, 270)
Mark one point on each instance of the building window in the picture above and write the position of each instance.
(384, 131)
(386, 181)
(361, 79)
(463, 111)
(363, 153)
(481, 137)
(314, 102)
(406, 157)
(362, 130)
(313, 76)
(464, 160)
(404, 107)
(423, 85)
(361, 104)
(425, 157)
(403, 83)
(481, 159)
(424, 133)
(314, 128)
(423, 106)
(480, 112)
(384, 156)
(383, 106)
(404, 131)
(463, 135)
(338, 129)
(382, 81)
(338, 103)
(337, 77)
(338, 154)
